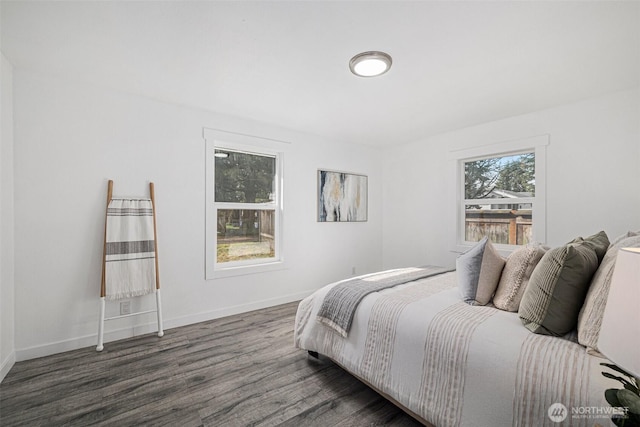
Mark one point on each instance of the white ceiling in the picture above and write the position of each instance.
(455, 63)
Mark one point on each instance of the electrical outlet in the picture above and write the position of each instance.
(125, 307)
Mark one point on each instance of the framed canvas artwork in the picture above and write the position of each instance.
(342, 197)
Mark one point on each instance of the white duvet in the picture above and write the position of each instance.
(453, 364)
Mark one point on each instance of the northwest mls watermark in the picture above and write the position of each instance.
(558, 412)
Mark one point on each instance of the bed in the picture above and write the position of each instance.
(448, 363)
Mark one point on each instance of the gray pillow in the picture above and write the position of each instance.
(626, 235)
(557, 288)
(590, 318)
(599, 242)
(478, 273)
(515, 276)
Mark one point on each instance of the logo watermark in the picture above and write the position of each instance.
(557, 412)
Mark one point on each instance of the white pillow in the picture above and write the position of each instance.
(478, 272)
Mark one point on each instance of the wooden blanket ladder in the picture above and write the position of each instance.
(103, 290)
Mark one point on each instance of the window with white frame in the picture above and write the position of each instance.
(244, 208)
(501, 193)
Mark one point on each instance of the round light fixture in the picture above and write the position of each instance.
(370, 64)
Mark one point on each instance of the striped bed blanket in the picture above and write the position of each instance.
(453, 364)
(130, 249)
(340, 303)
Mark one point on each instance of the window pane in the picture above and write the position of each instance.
(244, 177)
(245, 234)
(503, 223)
(507, 176)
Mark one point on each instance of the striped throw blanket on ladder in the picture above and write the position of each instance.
(130, 249)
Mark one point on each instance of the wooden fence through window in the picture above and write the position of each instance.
(503, 226)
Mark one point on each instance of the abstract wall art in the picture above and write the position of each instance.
(342, 197)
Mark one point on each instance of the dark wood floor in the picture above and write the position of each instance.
(236, 371)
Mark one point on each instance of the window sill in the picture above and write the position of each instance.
(243, 270)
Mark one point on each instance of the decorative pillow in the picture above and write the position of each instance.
(557, 288)
(515, 276)
(624, 236)
(478, 272)
(590, 318)
(599, 242)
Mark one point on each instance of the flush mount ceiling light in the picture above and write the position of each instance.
(370, 64)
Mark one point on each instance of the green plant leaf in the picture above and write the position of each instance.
(615, 377)
(616, 368)
(629, 399)
(633, 420)
(632, 388)
(611, 395)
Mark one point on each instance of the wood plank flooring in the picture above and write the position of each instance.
(236, 371)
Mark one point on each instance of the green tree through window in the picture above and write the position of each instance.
(243, 177)
(518, 174)
(511, 173)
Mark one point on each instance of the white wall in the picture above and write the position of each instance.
(7, 349)
(592, 176)
(71, 138)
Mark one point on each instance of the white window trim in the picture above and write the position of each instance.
(216, 139)
(538, 145)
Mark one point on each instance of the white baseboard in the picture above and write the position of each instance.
(71, 344)
(146, 328)
(7, 364)
(230, 311)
